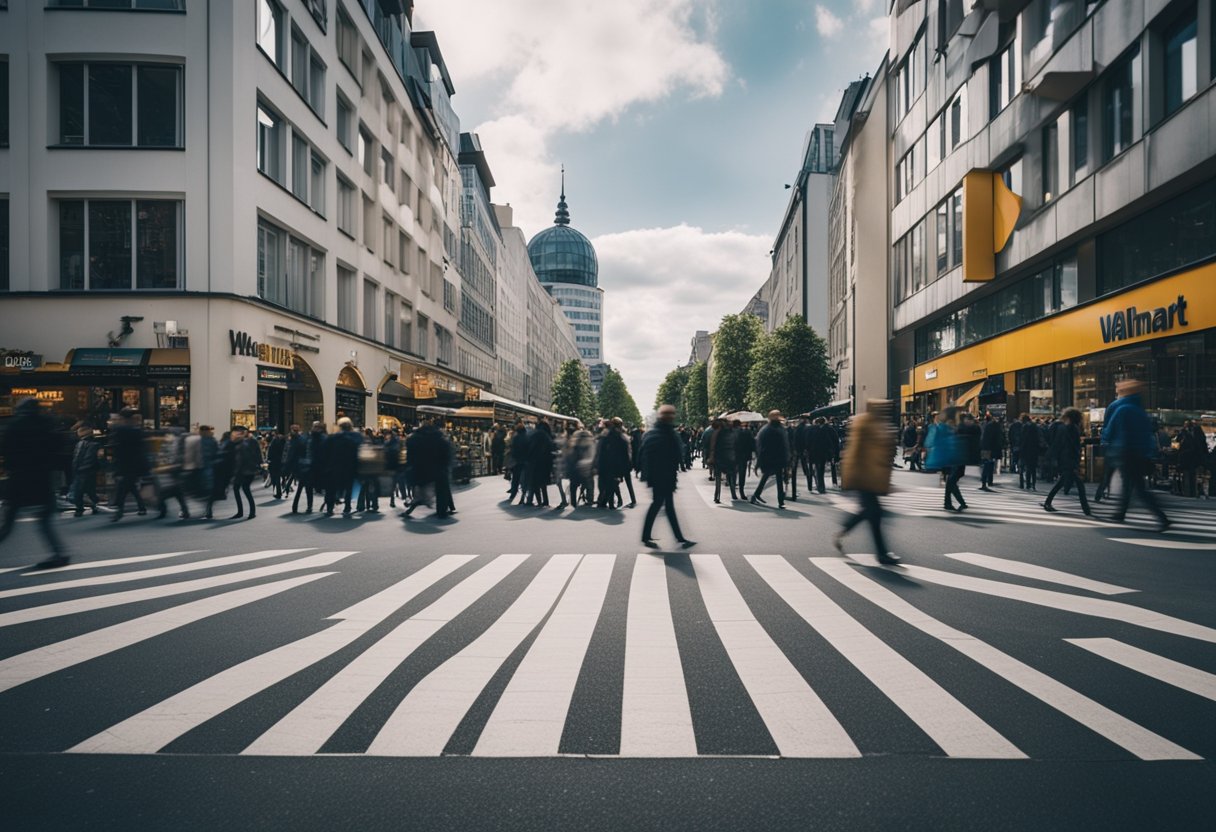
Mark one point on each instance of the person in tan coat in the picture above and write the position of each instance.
(867, 470)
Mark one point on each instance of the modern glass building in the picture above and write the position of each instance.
(565, 262)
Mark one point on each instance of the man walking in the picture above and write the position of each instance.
(84, 470)
(724, 461)
(498, 449)
(1029, 440)
(992, 441)
(820, 449)
(1066, 450)
(29, 447)
(246, 464)
(1131, 447)
(130, 462)
(662, 456)
(772, 457)
(745, 449)
(867, 470)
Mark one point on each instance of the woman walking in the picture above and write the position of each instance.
(867, 470)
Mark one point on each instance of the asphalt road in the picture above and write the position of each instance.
(522, 668)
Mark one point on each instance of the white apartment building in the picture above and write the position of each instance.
(232, 211)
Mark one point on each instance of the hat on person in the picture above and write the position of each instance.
(1128, 387)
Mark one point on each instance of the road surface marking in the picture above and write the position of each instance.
(655, 717)
(34, 664)
(797, 719)
(311, 723)
(146, 574)
(1097, 607)
(1157, 543)
(948, 722)
(1118, 729)
(152, 729)
(114, 599)
(101, 564)
(1174, 673)
(529, 718)
(1038, 573)
(425, 720)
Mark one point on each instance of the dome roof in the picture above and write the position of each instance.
(561, 254)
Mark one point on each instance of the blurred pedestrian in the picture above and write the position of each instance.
(246, 466)
(867, 470)
(725, 462)
(745, 449)
(275, 451)
(772, 457)
(661, 458)
(1066, 450)
(1131, 447)
(84, 470)
(30, 444)
(1030, 445)
(130, 462)
(342, 462)
(992, 443)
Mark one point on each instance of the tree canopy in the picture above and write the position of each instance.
(696, 395)
(789, 370)
(671, 391)
(614, 399)
(572, 394)
(732, 356)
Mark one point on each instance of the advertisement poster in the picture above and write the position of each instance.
(1042, 402)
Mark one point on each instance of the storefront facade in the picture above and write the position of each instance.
(1162, 333)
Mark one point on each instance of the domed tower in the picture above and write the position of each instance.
(564, 260)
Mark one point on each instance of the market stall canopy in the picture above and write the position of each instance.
(744, 416)
(487, 397)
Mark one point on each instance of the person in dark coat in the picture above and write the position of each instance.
(1029, 443)
(246, 465)
(298, 464)
(498, 449)
(1066, 451)
(745, 449)
(428, 457)
(967, 435)
(275, 461)
(392, 463)
(540, 464)
(791, 468)
(992, 443)
(1015, 446)
(772, 457)
(802, 441)
(342, 465)
(661, 458)
(519, 463)
(84, 470)
(725, 462)
(820, 450)
(635, 447)
(130, 462)
(612, 463)
(1130, 446)
(30, 445)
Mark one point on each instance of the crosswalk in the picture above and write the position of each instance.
(499, 655)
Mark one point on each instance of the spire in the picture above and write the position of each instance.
(562, 217)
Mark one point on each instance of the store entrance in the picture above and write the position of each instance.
(288, 396)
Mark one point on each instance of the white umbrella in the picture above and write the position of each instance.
(744, 416)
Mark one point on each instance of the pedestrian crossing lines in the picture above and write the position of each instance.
(516, 678)
(1015, 506)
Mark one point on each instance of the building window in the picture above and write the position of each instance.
(3, 103)
(918, 257)
(1181, 61)
(406, 339)
(905, 174)
(119, 244)
(1120, 121)
(4, 245)
(317, 9)
(443, 340)
(346, 207)
(370, 289)
(270, 30)
(449, 296)
(367, 158)
(346, 299)
(117, 5)
(1078, 126)
(424, 344)
(1004, 79)
(307, 72)
(958, 119)
(949, 18)
(301, 161)
(1011, 174)
(316, 187)
(956, 228)
(370, 226)
(316, 84)
(270, 145)
(403, 253)
(910, 78)
(943, 237)
(390, 240)
(345, 122)
(348, 43)
(388, 170)
(99, 105)
(1050, 161)
(390, 319)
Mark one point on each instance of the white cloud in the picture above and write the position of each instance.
(826, 23)
(879, 30)
(864, 6)
(663, 284)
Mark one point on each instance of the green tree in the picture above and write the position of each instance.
(733, 343)
(790, 370)
(696, 394)
(572, 394)
(615, 399)
(671, 391)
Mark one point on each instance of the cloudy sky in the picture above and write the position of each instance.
(679, 122)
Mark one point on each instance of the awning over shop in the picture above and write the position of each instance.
(966, 398)
(475, 412)
(168, 363)
(483, 396)
(395, 391)
(108, 362)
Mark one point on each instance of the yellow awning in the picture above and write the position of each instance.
(966, 398)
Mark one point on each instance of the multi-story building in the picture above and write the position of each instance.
(857, 242)
(798, 281)
(564, 260)
(702, 345)
(258, 221)
(1097, 115)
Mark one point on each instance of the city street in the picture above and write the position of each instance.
(525, 668)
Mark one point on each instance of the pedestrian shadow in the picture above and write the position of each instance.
(890, 576)
(431, 524)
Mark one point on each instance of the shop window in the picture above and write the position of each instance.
(346, 299)
(119, 105)
(346, 207)
(345, 122)
(370, 290)
(1120, 107)
(270, 31)
(1166, 238)
(4, 245)
(112, 244)
(271, 137)
(4, 117)
(1181, 61)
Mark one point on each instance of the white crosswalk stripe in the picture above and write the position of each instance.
(542, 647)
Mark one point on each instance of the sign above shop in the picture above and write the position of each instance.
(239, 343)
(35, 393)
(424, 387)
(472, 394)
(1132, 323)
(930, 374)
(23, 361)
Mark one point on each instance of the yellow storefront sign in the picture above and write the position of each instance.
(1173, 306)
